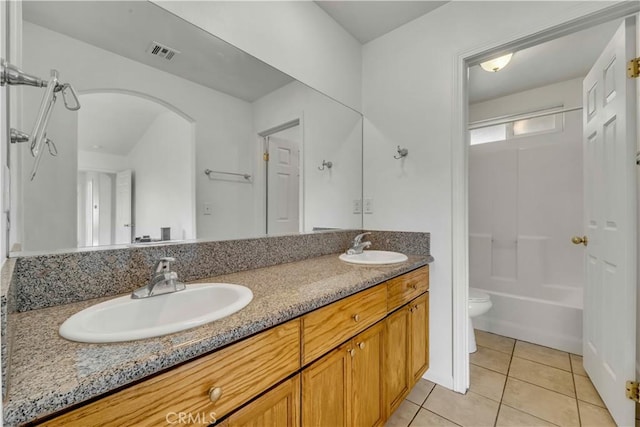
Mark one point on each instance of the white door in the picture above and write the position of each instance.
(283, 182)
(124, 227)
(609, 343)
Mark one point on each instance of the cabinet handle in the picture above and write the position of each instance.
(361, 345)
(214, 394)
(413, 286)
(351, 352)
(356, 317)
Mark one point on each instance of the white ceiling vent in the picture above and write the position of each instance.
(162, 51)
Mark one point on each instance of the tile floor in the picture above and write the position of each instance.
(513, 383)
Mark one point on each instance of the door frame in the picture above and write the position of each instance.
(459, 163)
(260, 199)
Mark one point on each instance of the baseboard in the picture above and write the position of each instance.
(439, 378)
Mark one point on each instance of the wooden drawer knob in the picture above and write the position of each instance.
(361, 345)
(356, 317)
(214, 394)
(413, 286)
(351, 352)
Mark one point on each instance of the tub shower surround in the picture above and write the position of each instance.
(289, 276)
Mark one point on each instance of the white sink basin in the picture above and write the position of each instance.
(374, 258)
(125, 319)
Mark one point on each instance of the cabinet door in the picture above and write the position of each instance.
(397, 370)
(279, 407)
(326, 389)
(367, 378)
(419, 336)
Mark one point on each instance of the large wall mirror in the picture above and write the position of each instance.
(180, 136)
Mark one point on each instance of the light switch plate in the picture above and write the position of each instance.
(357, 206)
(207, 209)
(368, 206)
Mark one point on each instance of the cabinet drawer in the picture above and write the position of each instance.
(325, 328)
(240, 372)
(403, 289)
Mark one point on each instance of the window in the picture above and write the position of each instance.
(537, 122)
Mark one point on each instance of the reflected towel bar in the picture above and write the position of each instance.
(246, 176)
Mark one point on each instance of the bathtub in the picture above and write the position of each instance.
(555, 322)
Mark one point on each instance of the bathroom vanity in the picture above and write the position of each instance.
(318, 333)
(354, 360)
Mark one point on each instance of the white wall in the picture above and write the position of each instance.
(408, 85)
(296, 37)
(163, 179)
(95, 161)
(332, 132)
(222, 136)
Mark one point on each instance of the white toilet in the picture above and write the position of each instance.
(479, 303)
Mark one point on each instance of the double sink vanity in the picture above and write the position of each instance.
(321, 342)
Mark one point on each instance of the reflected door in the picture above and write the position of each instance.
(124, 226)
(283, 183)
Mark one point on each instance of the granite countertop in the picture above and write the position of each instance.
(49, 373)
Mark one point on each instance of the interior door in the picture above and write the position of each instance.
(609, 122)
(283, 183)
(124, 226)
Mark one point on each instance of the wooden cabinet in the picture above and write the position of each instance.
(397, 347)
(278, 407)
(326, 389)
(327, 327)
(214, 384)
(406, 349)
(419, 333)
(402, 289)
(345, 387)
(367, 378)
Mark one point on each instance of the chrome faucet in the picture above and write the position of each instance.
(357, 246)
(163, 281)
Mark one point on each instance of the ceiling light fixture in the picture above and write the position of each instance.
(496, 64)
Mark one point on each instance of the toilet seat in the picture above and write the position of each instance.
(476, 295)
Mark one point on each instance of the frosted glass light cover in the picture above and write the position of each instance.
(496, 64)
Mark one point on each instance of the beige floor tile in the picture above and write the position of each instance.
(403, 415)
(594, 416)
(486, 382)
(542, 403)
(576, 365)
(469, 409)
(491, 359)
(586, 391)
(543, 375)
(544, 355)
(510, 417)
(427, 419)
(420, 391)
(495, 342)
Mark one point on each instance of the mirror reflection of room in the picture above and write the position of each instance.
(163, 102)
